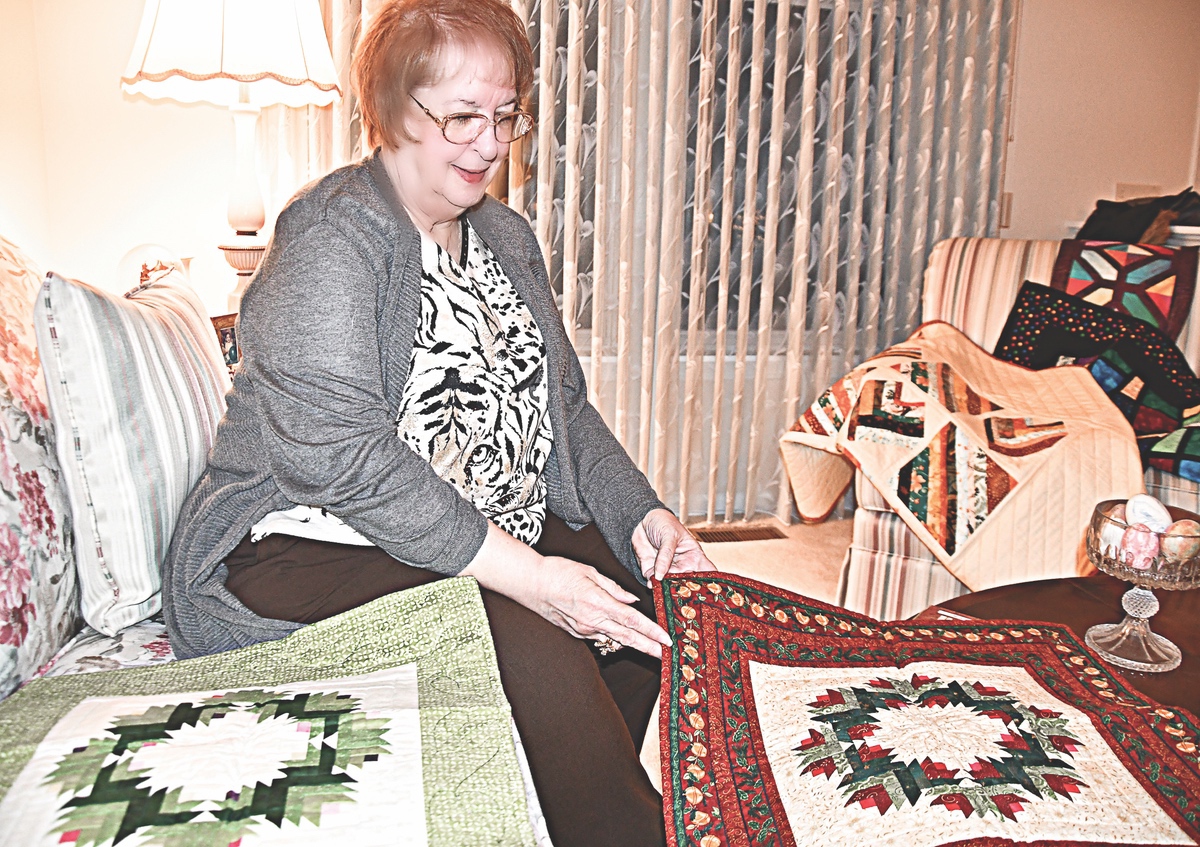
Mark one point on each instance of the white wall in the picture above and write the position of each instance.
(1106, 92)
(23, 198)
(119, 171)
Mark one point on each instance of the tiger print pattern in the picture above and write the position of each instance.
(476, 402)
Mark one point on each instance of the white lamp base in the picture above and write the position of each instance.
(243, 252)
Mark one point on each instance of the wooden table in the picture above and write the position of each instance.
(1079, 603)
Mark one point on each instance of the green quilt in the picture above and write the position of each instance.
(386, 724)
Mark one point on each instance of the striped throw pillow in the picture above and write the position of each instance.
(136, 386)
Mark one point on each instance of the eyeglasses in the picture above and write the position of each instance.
(465, 127)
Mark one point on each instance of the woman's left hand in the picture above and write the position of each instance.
(663, 545)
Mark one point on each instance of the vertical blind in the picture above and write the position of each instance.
(736, 200)
(300, 145)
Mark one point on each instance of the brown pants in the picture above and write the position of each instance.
(581, 716)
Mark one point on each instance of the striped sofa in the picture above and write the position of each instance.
(972, 284)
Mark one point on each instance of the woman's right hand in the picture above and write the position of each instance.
(569, 594)
(587, 604)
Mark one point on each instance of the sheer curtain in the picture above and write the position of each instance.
(736, 199)
(299, 145)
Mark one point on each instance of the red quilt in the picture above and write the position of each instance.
(785, 721)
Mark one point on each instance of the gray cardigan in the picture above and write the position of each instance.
(326, 332)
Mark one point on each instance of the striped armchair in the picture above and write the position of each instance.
(971, 283)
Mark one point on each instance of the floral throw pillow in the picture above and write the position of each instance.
(38, 600)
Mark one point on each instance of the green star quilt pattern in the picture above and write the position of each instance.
(383, 725)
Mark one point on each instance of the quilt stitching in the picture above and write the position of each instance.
(947, 387)
(887, 413)
(420, 659)
(827, 414)
(1140, 371)
(950, 484)
(1044, 324)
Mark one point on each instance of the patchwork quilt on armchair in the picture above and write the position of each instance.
(972, 453)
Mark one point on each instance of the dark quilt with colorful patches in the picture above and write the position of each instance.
(1046, 326)
(1148, 282)
(1177, 452)
(785, 721)
(1143, 373)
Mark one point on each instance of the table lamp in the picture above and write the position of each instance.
(244, 55)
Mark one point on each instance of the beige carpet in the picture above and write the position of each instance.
(807, 562)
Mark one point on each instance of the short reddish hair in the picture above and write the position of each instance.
(401, 49)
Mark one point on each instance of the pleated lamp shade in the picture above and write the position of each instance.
(260, 52)
(244, 55)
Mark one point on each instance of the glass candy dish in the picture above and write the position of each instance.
(1131, 554)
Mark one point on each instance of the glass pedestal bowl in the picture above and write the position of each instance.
(1166, 561)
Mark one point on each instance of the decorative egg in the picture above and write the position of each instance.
(1146, 510)
(1139, 547)
(1111, 536)
(1112, 530)
(1181, 541)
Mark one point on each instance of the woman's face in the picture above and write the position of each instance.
(440, 180)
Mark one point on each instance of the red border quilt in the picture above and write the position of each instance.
(786, 721)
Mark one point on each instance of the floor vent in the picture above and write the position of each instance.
(714, 534)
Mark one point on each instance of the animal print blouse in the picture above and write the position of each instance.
(476, 402)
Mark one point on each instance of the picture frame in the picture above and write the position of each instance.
(225, 327)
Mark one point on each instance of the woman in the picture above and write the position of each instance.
(408, 408)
